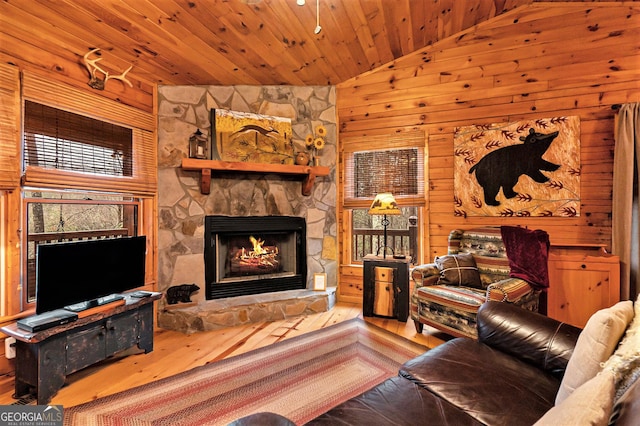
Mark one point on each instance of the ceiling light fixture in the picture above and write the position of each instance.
(300, 2)
(318, 27)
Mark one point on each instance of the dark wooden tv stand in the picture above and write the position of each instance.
(45, 358)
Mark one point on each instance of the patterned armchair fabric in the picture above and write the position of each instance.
(453, 308)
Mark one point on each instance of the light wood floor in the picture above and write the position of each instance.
(175, 352)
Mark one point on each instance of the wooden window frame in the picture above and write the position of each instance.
(417, 139)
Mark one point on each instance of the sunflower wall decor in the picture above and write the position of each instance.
(315, 143)
(528, 168)
(248, 137)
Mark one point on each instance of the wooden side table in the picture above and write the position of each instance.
(392, 273)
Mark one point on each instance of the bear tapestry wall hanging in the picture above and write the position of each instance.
(248, 137)
(522, 169)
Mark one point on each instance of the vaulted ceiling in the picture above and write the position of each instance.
(228, 42)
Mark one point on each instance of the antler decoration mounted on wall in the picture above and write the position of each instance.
(98, 81)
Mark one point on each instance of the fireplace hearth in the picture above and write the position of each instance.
(253, 255)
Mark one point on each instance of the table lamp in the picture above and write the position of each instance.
(384, 204)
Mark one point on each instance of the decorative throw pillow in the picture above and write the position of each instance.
(595, 345)
(458, 269)
(590, 404)
(625, 361)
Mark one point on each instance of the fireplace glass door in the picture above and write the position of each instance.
(254, 254)
(263, 255)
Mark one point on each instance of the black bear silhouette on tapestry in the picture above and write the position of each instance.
(181, 293)
(504, 166)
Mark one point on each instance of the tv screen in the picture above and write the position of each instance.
(82, 271)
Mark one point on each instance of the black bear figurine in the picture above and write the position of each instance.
(181, 293)
(504, 166)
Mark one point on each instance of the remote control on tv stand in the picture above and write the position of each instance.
(140, 294)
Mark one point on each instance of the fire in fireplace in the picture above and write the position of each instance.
(254, 254)
(257, 260)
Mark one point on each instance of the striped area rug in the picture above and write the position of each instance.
(299, 378)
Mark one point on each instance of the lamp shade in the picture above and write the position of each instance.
(384, 203)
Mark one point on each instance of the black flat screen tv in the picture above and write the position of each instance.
(83, 271)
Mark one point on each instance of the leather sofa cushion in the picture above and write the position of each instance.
(468, 374)
(395, 402)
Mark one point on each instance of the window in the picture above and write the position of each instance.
(367, 233)
(393, 163)
(89, 170)
(57, 216)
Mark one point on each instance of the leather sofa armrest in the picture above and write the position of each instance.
(532, 337)
(425, 274)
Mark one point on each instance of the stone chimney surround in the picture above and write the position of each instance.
(182, 208)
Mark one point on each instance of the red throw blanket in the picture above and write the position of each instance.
(528, 252)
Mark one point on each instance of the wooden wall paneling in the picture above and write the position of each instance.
(10, 112)
(34, 50)
(11, 205)
(530, 68)
(9, 127)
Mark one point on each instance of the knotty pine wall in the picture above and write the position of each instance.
(538, 61)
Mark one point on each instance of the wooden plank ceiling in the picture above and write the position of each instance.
(228, 42)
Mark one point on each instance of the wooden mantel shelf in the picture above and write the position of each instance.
(307, 173)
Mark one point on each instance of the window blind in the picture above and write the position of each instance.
(392, 163)
(140, 177)
(58, 139)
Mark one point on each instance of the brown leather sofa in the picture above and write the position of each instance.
(509, 376)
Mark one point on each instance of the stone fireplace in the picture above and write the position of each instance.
(254, 255)
(183, 209)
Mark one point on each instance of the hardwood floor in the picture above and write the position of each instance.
(175, 352)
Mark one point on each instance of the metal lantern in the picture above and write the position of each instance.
(198, 145)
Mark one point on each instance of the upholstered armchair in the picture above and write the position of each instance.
(448, 292)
